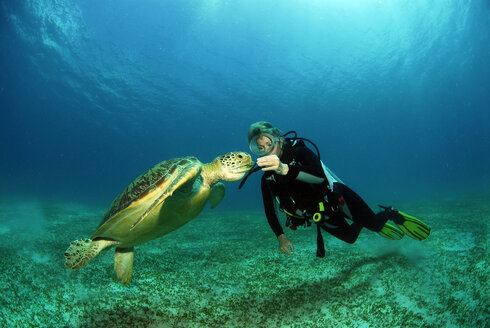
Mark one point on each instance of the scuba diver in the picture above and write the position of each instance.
(303, 188)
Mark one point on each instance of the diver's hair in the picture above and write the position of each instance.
(262, 127)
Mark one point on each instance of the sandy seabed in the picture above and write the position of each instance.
(223, 270)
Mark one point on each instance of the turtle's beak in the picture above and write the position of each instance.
(244, 168)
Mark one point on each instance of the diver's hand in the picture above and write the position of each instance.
(284, 245)
(272, 163)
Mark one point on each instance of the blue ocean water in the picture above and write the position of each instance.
(396, 94)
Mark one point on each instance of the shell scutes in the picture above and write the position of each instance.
(147, 182)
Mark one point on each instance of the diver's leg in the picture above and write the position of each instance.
(361, 213)
(339, 227)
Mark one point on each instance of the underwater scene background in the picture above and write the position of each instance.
(395, 94)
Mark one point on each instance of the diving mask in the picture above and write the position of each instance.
(263, 144)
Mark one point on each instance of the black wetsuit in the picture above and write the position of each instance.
(304, 186)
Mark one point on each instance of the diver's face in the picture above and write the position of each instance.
(264, 144)
(267, 147)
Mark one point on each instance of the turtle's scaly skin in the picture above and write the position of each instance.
(156, 203)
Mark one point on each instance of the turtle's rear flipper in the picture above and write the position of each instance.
(123, 264)
(83, 250)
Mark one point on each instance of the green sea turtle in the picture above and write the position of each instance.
(156, 203)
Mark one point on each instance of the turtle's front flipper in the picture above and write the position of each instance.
(83, 250)
(123, 264)
(217, 194)
(188, 173)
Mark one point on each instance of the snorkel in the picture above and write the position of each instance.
(254, 169)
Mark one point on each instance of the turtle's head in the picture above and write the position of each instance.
(233, 166)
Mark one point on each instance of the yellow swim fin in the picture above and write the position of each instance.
(410, 225)
(391, 232)
(413, 227)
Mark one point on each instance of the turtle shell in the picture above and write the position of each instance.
(146, 183)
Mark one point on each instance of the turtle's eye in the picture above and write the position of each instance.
(240, 156)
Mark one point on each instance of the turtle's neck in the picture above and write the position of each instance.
(211, 174)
